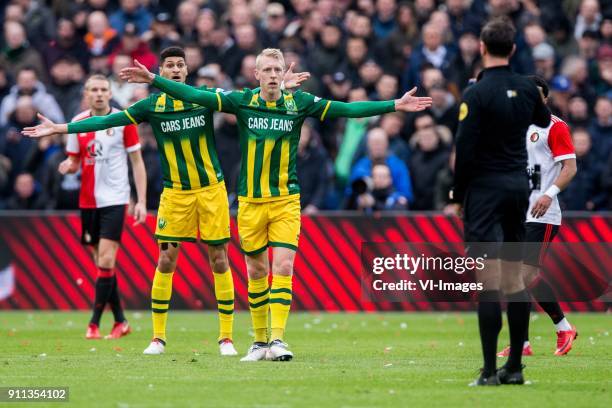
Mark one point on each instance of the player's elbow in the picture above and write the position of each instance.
(570, 168)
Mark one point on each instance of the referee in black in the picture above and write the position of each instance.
(491, 182)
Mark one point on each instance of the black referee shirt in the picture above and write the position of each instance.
(493, 120)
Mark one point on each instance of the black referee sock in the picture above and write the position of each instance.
(518, 321)
(115, 302)
(547, 299)
(489, 323)
(104, 287)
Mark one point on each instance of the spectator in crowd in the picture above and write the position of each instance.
(26, 196)
(246, 43)
(61, 190)
(131, 11)
(162, 33)
(313, 170)
(356, 55)
(187, 15)
(66, 44)
(194, 60)
(466, 60)
(354, 130)
(560, 93)
(247, 79)
(66, 85)
(326, 57)
(398, 45)
(588, 17)
(16, 147)
(444, 108)
(101, 39)
(577, 112)
(39, 21)
(393, 123)
(378, 152)
(603, 78)
(379, 194)
(28, 84)
(600, 128)
(122, 91)
(133, 46)
(461, 19)
(444, 183)
(274, 25)
(384, 21)
(429, 156)
(18, 53)
(575, 68)
(584, 192)
(544, 60)
(5, 83)
(432, 51)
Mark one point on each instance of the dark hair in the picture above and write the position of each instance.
(541, 83)
(172, 52)
(498, 36)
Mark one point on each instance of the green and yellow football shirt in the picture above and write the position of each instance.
(185, 138)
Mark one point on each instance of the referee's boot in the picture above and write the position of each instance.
(505, 376)
(485, 380)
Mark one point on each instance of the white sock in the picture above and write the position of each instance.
(563, 325)
(526, 344)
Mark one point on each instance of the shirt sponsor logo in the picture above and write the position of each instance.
(183, 124)
(283, 125)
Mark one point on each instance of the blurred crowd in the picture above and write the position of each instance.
(357, 50)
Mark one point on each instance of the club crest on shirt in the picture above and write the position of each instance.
(110, 132)
(290, 104)
(534, 137)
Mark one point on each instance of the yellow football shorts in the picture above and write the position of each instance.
(182, 213)
(269, 223)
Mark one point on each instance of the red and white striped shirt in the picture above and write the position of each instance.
(547, 147)
(103, 155)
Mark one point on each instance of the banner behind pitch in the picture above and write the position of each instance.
(50, 268)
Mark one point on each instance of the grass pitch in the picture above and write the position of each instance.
(342, 360)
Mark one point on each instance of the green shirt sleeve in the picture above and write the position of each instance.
(207, 99)
(326, 109)
(99, 122)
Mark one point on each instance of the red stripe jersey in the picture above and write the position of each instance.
(104, 167)
(547, 147)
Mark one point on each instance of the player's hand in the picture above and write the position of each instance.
(138, 74)
(294, 79)
(65, 167)
(140, 213)
(45, 128)
(410, 103)
(455, 209)
(541, 206)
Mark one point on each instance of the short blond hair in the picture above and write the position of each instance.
(272, 53)
(96, 77)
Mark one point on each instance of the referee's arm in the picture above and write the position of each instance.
(468, 134)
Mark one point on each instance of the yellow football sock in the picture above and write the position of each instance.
(280, 303)
(160, 302)
(259, 294)
(224, 291)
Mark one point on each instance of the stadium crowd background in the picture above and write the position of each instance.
(356, 50)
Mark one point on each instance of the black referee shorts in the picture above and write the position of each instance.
(105, 222)
(537, 239)
(494, 212)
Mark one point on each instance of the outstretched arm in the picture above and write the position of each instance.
(407, 103)
(48, 127)
(140, 74)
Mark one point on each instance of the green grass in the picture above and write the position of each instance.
(342, 360)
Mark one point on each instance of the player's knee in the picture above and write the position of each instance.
(218, 258)
(512, 284)
(167, 258)
(529, 276)
(283, 267)
(106, 260)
